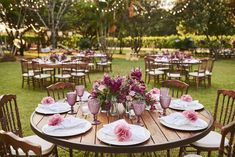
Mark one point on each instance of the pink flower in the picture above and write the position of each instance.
(190, 115)
(187, 98)
(56, 119)
(132, 93)
(155, 91)
(47, 100)
(128, 98)
(101, 88)
(123, 132)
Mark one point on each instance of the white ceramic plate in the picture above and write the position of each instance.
(196, 107)
(184, 127)
(85, 96)
(68, 131)
(48, 111)
(113, 140)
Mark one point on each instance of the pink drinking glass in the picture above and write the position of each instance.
(165, 103)
(94, 107)
(71, 99)
(139, 107)
(80, 91)
(164, 91)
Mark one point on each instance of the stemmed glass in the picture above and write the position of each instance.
(94, 107)
(80, 91)
(164, 91)
(139, 107)
(165, 103)
(71, 99)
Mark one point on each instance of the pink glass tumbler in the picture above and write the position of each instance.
(139, 107)
(71, 99)
(80, 91)
(165, 103)
(94, 107)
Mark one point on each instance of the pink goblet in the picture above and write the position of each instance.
(164, 91)
(94, 107)
(80, 91)
(139, 107)
(165, 103)
(71, 99)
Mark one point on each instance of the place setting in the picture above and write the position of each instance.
(186, 102)
(187, 120)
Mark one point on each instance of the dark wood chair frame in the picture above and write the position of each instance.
(26, 67)
(224, 114)
(57, 90)
(10, 117)
(177, 87)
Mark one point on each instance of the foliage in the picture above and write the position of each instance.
(85, 43)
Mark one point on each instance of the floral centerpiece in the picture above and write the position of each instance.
(152, 98)
(57, 57)
(124, 90)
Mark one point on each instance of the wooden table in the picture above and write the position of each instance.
(162, 138)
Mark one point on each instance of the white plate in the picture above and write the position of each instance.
(199, 106)
(113, 140)
(184, 127)
(68, 131)
(85, 96)
(48, 111)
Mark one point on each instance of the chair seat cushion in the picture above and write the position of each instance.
(211, 140)
(208, 73)
(196, 74)
(42, 76)
(80, 74)
(104, 63)
(28, 74)
(63, 76)
(173, 75)
(156, 72)
(163, 68)
(192, 155)
(91, 64)
(46, 147)
(48, 69)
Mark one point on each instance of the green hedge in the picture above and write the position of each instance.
(148, 42)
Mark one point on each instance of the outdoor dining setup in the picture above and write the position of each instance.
(119, 115)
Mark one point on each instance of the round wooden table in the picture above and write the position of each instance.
(162, 138)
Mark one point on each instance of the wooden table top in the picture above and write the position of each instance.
(162, 138)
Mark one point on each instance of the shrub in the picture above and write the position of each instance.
(84, 43)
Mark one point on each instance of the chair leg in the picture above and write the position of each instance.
(209, 81)
(209, 154)
(168, 153)
(181, 151)
(197, 82)
(70, 152)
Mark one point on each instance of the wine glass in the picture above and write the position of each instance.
(164, 91)
(94, 107)
(71, 99)
(80, 91)
(165, 103)
(138, 107)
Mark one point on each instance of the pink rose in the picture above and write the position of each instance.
(187, 98)
(190, 115)
(47, 100)
(101, 88)
(132, 93)
(155, 91)
(56, 119)
(123, 132)
(128, 98)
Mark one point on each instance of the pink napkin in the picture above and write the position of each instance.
(56, 119)
(187, 98)
(123, 132)
(191, 115)
(47, 100)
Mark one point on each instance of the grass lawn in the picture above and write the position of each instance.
(28, 99)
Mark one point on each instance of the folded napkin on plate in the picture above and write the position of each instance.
(179, 119)
(56, 107)
(177, 103)
(67, 123)
(138, 132)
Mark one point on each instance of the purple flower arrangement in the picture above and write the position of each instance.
(57, 57)
(152, 98)
(119, 89)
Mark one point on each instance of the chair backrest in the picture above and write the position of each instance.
(210, 64)
(224, 108)
(25, 66)
(59, 89)
(36, 67)
(13, 145)
(9, 115)
(177, 88)
(227, 131)
(203, 66)
(149, 63)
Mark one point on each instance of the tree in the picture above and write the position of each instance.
(17, 18)
(52, 15)
(210, 18)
